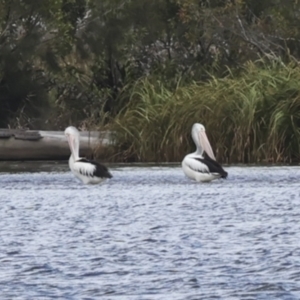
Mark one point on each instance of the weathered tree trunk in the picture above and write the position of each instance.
(45, 145)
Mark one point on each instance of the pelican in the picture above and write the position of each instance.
(197, 167)
(88, 171)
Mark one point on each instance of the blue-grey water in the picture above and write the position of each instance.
(150, 233)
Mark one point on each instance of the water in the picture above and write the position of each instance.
(150, 233)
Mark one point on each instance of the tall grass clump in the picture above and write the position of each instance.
(250, 118)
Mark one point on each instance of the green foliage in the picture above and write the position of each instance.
(149, 69)
(33, 39)
(251, 118)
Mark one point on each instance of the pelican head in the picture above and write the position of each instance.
(201, 141)
(72, 135)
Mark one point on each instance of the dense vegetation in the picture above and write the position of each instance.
(148, 70)
(255, 118)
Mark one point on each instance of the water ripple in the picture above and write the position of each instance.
(150, 233)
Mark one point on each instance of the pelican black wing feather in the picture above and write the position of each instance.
(100, 170)
(213, 166)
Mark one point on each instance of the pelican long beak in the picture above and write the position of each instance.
(205, 144)
(71, 142)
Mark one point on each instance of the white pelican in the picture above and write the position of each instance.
(88, 171)
(195, 165)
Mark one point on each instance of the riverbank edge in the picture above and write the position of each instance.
(51, 146)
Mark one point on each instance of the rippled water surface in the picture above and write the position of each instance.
(150, 233)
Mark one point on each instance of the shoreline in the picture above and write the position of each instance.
(64, 162)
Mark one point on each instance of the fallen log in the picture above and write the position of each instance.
(46, 145)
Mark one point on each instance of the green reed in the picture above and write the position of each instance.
(251, 117)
